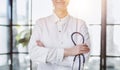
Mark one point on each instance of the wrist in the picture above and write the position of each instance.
(68, 52)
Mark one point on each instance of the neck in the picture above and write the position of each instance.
(61, 13)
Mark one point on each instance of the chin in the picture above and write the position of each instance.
(61, 7)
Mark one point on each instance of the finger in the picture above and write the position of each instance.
(85, 45)
(39, 43)
(83, 52)
(82, 45)
(84, 48)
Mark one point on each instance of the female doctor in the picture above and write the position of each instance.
(50, 44)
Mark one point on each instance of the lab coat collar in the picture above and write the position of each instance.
(56, 19)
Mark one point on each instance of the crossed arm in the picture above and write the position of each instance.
(78, 49)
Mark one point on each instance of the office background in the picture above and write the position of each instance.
(17, 18)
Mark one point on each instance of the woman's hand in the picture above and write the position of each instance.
(79, 49)
(39, 43)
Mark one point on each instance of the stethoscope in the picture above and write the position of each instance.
(79, 54)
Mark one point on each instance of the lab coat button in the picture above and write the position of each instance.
(59, 31)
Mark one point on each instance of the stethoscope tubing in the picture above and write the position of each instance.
(79, 54)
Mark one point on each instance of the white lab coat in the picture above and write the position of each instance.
(55, 34)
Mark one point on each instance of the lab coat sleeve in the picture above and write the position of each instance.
(42, 54)
(84, 31)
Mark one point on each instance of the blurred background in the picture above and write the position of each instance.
(17, 18)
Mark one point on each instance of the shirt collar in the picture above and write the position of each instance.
(56, 19)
